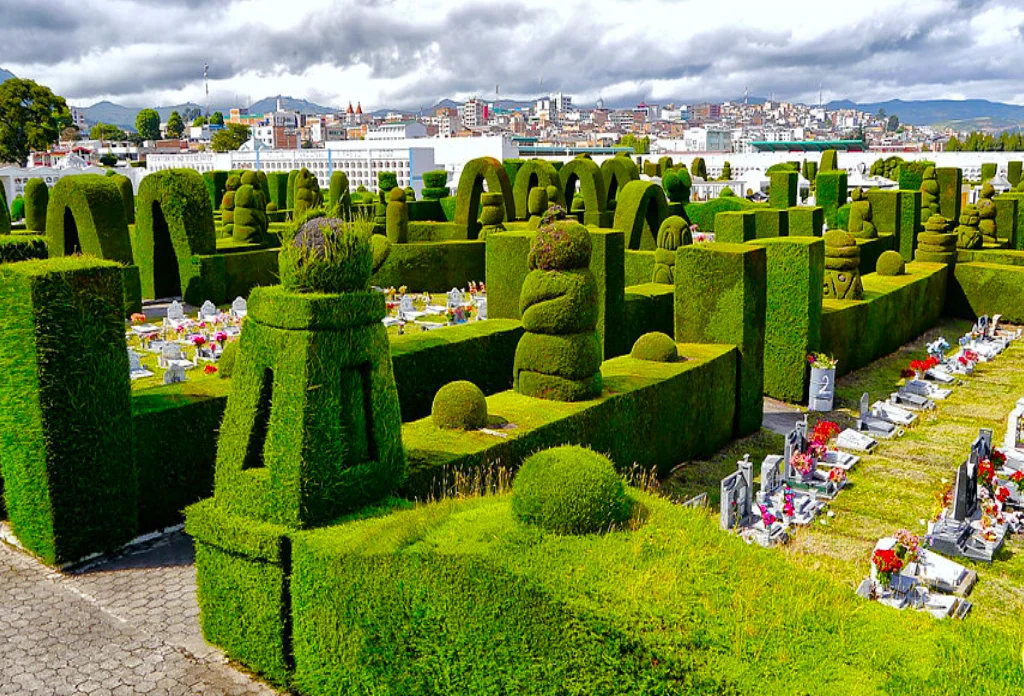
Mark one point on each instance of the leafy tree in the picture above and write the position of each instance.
(69, 134)
(893, 124)
(147, 123)
(643, 146)
(31, 118)
(628, 140)
(191, 113)
(108, 160)
(175, 126)
(198, 121)
(953, 145)
(106, 131)
(231, 138)
(217, 119)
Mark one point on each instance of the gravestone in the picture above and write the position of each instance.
(134, 361)
(240, 307)
(869, 424)
(796, 441)
(175, 312)
(965, 494)
(737, 496)
(174, 374)
(771, 478)
(1013, 442)
(208, 311)
(481, 308)
(455, 298)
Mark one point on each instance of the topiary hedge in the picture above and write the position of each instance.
(640, 210)
(830, 193)
(65, 454)
(435, 184)
(617, 172)
(533, 175)
(459, 405)
(570, 490)
(22, 247)
(37, 200)
(655, 347)
(591, 187)
(86, 214)
(277, 185)
(467, 204)
(124, 186)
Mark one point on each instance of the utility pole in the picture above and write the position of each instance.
(206, 81)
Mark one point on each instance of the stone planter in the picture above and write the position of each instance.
(822, 390)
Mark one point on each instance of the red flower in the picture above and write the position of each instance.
(932, 361)
(986, 472)
(1002, 494)
(887, 561)
(199, 340)
(998, 458)
(210, 369)
(918, 365)
(1017, 477)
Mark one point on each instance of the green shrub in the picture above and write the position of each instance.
(831, 194)
(467, 199)
(434, 185)
(699, 169)
(890, 263)
(339, 198)
(842, 266)
(560, 247)
(459, 405)
(17, 208)
(249, 218)
(655, 347)
(226, 363)
(97, 209)
(829, 161)
(22, 247)
(277, 187)
(5, 219)
(216, 184)
(673, 233)
(726, 192)
(570, 490)
(326, 255)
(385, 182)
(396, 222)
(37, 199)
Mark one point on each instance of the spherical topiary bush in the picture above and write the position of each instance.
(326, 255)
(655, 347)
(569, 490)
(890, 263)
(226, 363)
(560, 246)
(459, 406)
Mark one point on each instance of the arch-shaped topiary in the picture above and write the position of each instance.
(124, 186)
(640, 202)
(617, 172)
(174, 224)
(592, 189)
(535, 172)
(467, 200)
(86, 215)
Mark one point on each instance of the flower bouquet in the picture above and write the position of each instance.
(986, 473)
(767, 518)
(908, 545)
(804, 465)
(821, 361)
(886, 563)
(837, 476)
(821, 438)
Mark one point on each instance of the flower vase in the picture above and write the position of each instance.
(822, 389)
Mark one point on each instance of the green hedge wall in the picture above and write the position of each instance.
(433, 266)
(175, 226)
(512, 167)
(950, 182)
(124, 186)
(796, 273)
(1013, 171)
(639, 268)
(987, 288)
(771, 223)
(481, 352)
(22, 247)
(535, 172)
(627, 422)
(591, 187)
(703, 214)
(467, 199)
(735, 227)
(617, 172)
(896, 309)
(67, 438)
(216, 184)
(721, 295)
(988, 171)
(277, 184)
(647, 307)
(830, 194)
(100, 228)
(1016, 241)
(1007, 220)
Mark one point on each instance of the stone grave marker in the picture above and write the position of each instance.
(175, 312)
(208, 311)
(866, 423)
(737, 496)
(240, 307)
(771, 478)
(174, 374)
(481, 309)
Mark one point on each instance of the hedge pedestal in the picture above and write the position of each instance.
(806, 221)
(830, 193)
(950, 184)
(771, 223)
(735, 227)
(1009, 222)
(782, 190)
(66, 450)
(721, 297)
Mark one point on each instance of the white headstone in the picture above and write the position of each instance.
(134, 361)
(455, 298)
(405, 305)
(175, 312)
(174, 374)
(481, 308)
(240, 307)
(208, 310)
(171, 351)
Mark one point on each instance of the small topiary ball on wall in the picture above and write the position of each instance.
(655, 347)
(890, 263)
(459, 406)
(570, 490)
(326, 255)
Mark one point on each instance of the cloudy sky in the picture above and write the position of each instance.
(411, 54)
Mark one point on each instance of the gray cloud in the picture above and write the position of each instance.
(474, 46)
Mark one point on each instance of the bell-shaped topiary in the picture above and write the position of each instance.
(860, 225)
(673, 233)
(655, 347)
(842, 267)
(890, 263)
(726, 192)
(559, 356)
(459, 406)
(570, 490)
(326, 255)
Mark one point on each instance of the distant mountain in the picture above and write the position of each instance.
(269, 104)
(6, 75)
(124, 116)
(961, 113)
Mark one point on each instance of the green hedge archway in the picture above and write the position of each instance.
(536, 172)
(617, 172)
(592, 188)
(471, 185)
(85, 215)
(640, 202)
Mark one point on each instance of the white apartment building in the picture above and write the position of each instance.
(704, 139)
(398, 130)
(472, 113)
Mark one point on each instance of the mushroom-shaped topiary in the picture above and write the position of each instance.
(570, 490)
(655, 347)
(673, 233)
(842, 267)
(326, 255)
(890, 263)
(459, 406)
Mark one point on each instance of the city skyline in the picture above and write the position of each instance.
(404, 56)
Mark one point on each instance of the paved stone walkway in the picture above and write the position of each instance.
(125, 625)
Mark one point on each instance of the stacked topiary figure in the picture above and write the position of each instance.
(434, 185)
(397, 222)
(936, 243)
(249, 217)
(673, 233)
(929, 193)
(559, 357)
(492, 213)
(227, 204)
(860, 225)
(307, 193)
(967, 233)
(726, 172)
(987, 213)
(842, 267)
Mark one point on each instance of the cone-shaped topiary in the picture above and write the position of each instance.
(570, 490)
(968, 234)
(37, 199)
(655, 347)
(459, 406)
(987, 213)
(890, 263)
(559, 357)
(307, 193)
(860, 224)
(726, 172)
(326, 255)
(842, 264)
(673, 233)
(397, 222)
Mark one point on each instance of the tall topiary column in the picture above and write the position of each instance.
(37, 198)
(250, 212)
(559, 357)
(929, 193)
(307, 193)
(340, 202)
(782, 189)
(842, 267)
(950, 180)
(674, 233)
(312, 430)
(936, 244)
(829, 161)
(830, 194)
(227, 204)
(397, 223)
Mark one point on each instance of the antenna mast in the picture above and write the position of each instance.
(206, 81)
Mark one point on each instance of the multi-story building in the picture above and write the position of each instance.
(473, 113)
